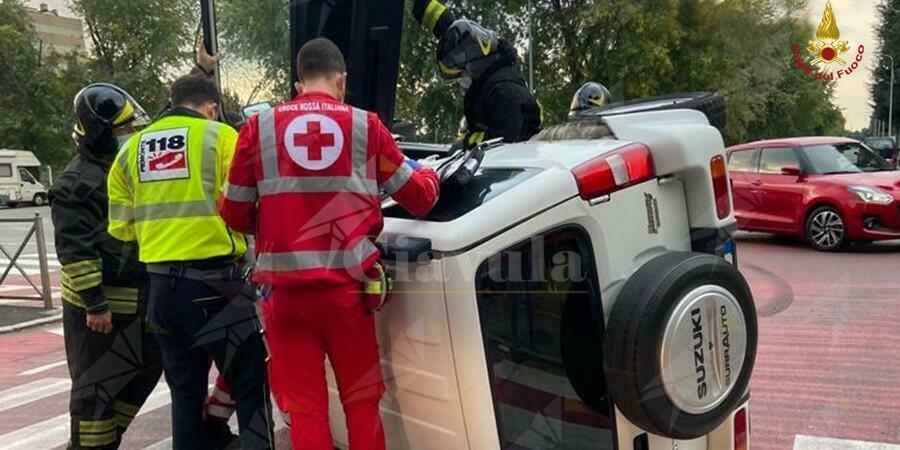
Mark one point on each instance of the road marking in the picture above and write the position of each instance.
(57, 331)
(43, 368)
(820, 443)
(32, 392)
(54, 432)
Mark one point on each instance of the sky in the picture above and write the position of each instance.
(856, 19)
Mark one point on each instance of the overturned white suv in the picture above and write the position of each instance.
(575, 294)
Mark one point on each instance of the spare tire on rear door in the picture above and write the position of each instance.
(680, 344)
(709, 103)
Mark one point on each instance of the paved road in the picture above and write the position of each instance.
(829, 347)
(826, 377)
(11, 235)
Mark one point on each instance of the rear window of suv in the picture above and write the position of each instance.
(485, 186)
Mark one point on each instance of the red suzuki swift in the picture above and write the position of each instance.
(831, 190)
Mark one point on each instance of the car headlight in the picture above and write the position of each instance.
(870, 194)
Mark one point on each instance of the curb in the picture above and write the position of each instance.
(31, 323)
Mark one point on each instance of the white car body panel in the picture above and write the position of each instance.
(438, 389)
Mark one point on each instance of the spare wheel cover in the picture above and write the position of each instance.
(703, 349)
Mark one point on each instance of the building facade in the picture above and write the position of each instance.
(56, 33)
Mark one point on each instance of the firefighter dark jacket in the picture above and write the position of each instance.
(499, 103)
(99, 273)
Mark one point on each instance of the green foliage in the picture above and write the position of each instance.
(889, 44)
(32, 115)
(740, 48)
(137, 45)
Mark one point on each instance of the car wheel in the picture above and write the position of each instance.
(680, 344)
(39, 200)
(825, 229)
(709, 103)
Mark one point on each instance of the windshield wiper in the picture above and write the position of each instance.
(840, 172)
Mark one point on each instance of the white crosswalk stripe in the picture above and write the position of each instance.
(54, 432)
(31, 392)
(30, 263)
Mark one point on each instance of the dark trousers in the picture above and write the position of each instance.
(195, 324)
(112, 375)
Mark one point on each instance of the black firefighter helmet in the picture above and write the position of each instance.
(589, 95)
(99, 109)
(466, 47)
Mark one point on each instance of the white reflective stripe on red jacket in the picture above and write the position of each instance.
(312, 259)
(399, 179)
(360, 182)
(237, 193)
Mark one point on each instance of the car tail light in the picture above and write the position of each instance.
(720, 186)
(741, 430)
(614, 171)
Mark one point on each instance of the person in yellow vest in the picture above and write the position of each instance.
(163, 191)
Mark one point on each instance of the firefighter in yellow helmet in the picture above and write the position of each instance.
(498, 103)
(113, 360)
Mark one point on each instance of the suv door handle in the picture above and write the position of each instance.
(756, 183)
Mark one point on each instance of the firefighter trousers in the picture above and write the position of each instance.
(195, 324)
(303, 325)
(112, 375)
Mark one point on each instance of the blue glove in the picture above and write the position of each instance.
(414, 164)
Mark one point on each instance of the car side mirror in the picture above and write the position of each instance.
(791, 170)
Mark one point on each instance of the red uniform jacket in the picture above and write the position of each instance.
(305, 180)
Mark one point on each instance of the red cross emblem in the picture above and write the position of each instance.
(314, 141)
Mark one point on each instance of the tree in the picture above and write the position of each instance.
(35, 93)
(138, 44)
(889, 44)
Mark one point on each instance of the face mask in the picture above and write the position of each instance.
(465, 82)
(121, 140)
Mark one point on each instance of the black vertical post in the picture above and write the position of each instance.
(211, 42)
(368, 33)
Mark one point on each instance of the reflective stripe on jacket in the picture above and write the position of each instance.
(164, 185)
(91, 259)
(306, 178)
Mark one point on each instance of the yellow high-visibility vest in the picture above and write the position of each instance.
(164, 187)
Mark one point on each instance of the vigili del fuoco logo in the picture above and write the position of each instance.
(829, 57)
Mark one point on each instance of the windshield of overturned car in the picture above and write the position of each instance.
(457, 201)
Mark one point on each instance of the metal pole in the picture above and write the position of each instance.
(530, 46)
(42, 258)
(891, 104)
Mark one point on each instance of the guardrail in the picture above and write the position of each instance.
(37, 230)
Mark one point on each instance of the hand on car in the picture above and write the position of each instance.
(206, 61)
(100, 323)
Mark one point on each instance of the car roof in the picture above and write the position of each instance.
(792, 142)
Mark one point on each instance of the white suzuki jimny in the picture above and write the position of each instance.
(574, 294)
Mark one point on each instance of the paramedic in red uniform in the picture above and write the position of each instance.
(305, 180)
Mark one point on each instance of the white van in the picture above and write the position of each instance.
(19, 171)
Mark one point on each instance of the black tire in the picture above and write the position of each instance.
(826, 229)
(709, 103)
(39, 200)
(635, 351)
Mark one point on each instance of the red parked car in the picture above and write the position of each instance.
(830, 190)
